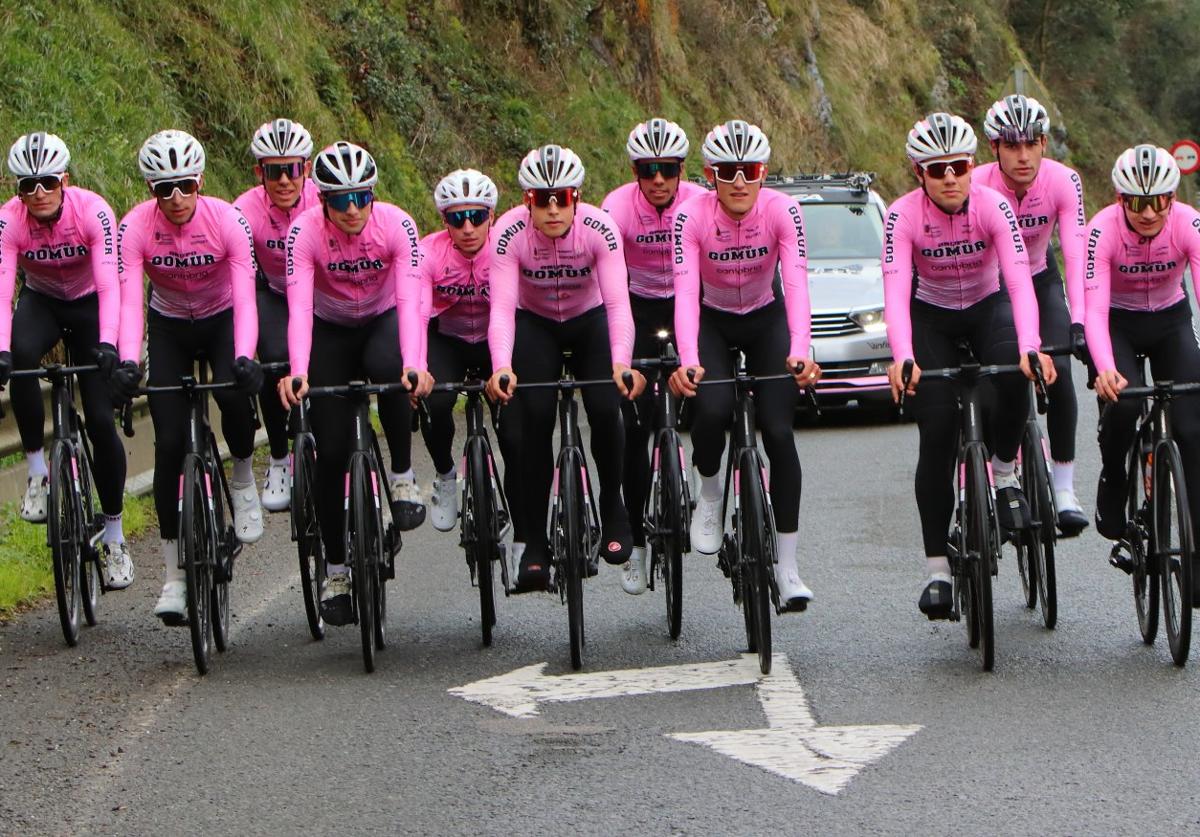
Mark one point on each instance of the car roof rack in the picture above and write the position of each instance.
(855, 181)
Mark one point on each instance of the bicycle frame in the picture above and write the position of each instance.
(571, 446)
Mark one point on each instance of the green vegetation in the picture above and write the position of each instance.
(25, 570)
(433, 85)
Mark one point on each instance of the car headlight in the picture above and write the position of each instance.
(870, 319)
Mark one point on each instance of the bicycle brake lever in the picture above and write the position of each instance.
(1039, 383)
(127, 419)
(627, 380)
(905, 379)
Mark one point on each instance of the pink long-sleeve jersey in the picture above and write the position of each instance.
(1124, 270)
(958, 260)
(455, 288)
(1056, 195)
(196, 269)
(70, 257)
(269, 225)
(348, 279)
(734, 262)
(558, 278)
(649, 250)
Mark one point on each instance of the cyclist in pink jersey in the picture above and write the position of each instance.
(281, 149)
(62, 237)
(354, 298)
(728, 243)
(455, 269)
(197, 254)
(1045, 193)
(957, 238)
(1137, 251)
(644, 211)
(558, 285)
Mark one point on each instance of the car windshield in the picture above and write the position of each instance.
(842, 231)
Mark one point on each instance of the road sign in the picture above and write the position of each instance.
(792, 745)
(1187, 155)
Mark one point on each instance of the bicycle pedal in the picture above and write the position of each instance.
(1121, 560)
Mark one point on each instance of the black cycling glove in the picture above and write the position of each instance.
(248, 375)
(125, 381)
(107, 359)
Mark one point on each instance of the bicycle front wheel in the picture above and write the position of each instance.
(195, 549)
(670, 509)
(222, 559)
(1145, 575)
(757, 554)
(1173, 548)
(1036, 482)
(571, 559)
(89, 526)
(307, 532)
(64, 534)
(981, 540)
(360, 553)
(479, 521)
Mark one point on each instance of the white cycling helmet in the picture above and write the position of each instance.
(1145, 170)
(736, 142)
(38, 153)
(657, 139)
(1016, 119)
(343, 166)
(281, 138)
(551, 167)
(940, 135)
(169, 155)
(465, 186)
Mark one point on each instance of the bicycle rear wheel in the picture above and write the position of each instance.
(359, 554)
(571, 560)
(64, 534)
(89, 526)
(1145, 575)
(307, 532)
(1173, 548)
(981, 539)
(479, 532)
(1028, 541)
(1041, 500)
(222, 559)
(755, 545)
(195, 548)
(670, 516)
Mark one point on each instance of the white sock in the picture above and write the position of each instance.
(710, 487)
(336, 569)
(452, 474)
(113, 532)
(36, 462)
(1000, 468)
(786, 553)
(937, 565)
(283, 463)
(406, 476)
(1063, 476)
(171, 569)
(243, 471)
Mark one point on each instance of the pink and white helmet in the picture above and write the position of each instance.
(736, 142)
(656, 139)
(940, 135)
(551, 167)
(1145, 170)
(281, 138)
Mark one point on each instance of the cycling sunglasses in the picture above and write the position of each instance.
(47, 182)
(276, 171)
(1012, 134)
(938, 170)
(165, 189)
(458, 218)
(541, 197)
(750, 172)
(647, 170)
(340, 201)
(1138, 203)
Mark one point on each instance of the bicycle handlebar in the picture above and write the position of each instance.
(1160, 389)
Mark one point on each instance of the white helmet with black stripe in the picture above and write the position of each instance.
(1145, 170)
(657, 139)
(38, 153)
(281, 138)
(343, 166)
(464, 187)
(1016, 119)
(170, 155)
(736, 142)
(940, 135)
(551, 167)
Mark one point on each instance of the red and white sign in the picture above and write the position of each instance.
(1187, 155)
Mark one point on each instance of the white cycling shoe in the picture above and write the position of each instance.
(633, 574)
(37, 495)
(444, 503)
(794, 594)
(247, 512)
(277, 488)
(117, 565)
(707, 527)
(172, 603)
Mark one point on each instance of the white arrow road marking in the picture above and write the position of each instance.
(519, 692)
(793, 746)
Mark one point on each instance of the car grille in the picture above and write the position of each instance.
(845, 369)
(833, 325)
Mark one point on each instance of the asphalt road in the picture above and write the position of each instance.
(1080, 730)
